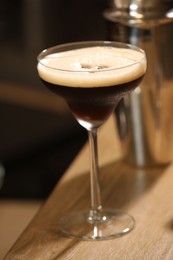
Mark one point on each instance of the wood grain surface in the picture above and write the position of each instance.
(147, 194)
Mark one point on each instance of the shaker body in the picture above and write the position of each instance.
(145, 117)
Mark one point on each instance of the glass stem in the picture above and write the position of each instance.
(96, 205)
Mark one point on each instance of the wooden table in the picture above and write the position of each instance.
(147, 194)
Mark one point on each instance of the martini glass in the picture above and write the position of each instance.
(92, 77)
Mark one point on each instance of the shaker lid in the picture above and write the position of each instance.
(140, 12)
(142, 6)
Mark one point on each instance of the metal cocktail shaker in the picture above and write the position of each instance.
(145, 117)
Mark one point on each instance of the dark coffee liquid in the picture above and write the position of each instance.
(93, 104)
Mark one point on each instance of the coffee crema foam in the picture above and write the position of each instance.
(92, 67)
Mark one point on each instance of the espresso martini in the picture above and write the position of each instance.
(92, 77)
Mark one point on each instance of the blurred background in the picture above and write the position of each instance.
(38, 135)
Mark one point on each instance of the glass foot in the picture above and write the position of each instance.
(108, 224)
